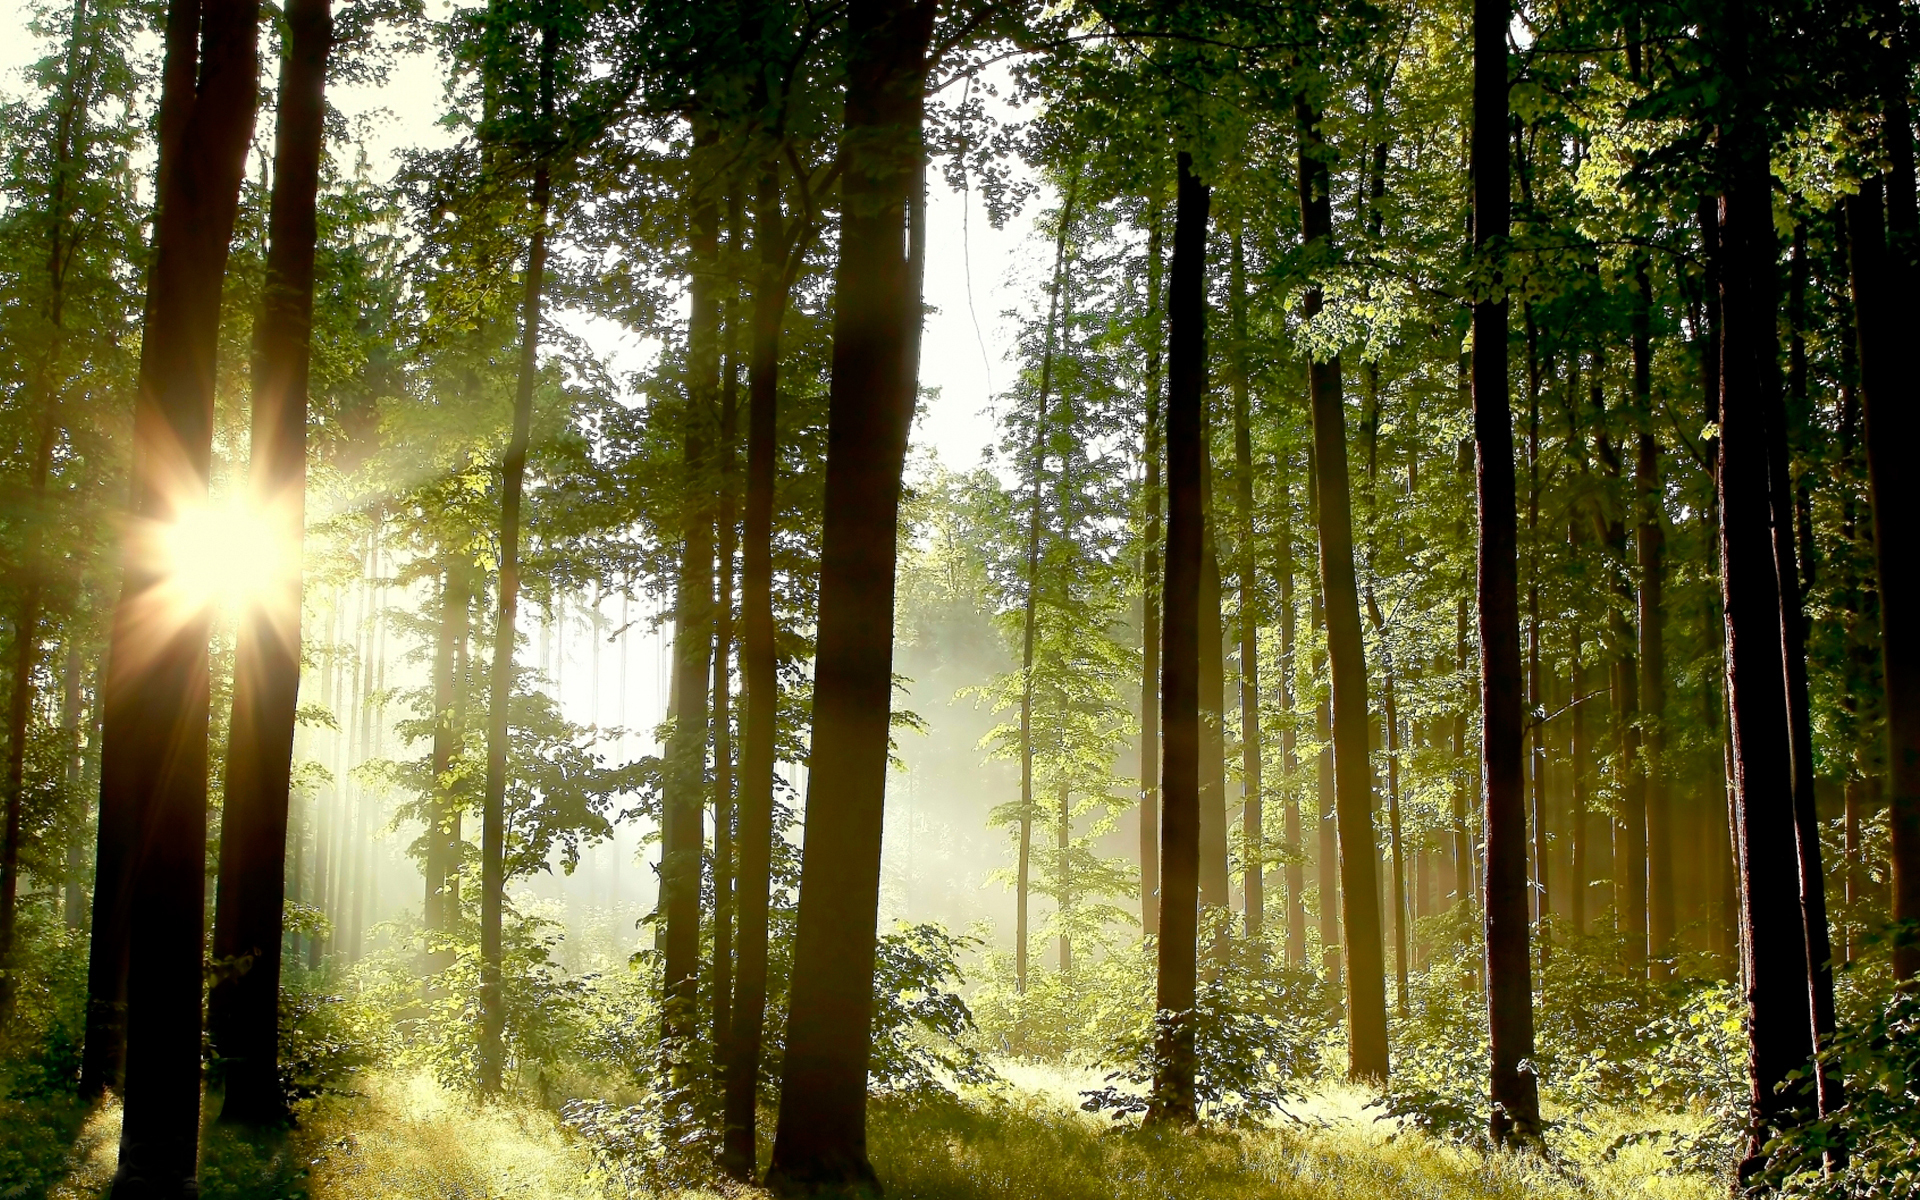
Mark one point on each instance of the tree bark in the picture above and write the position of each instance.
(759, 674)
(1296, 864)
(1887, 409)
(1515, 1094)
(1772, 932)
(243, 1007)
(1214, 891)
(726, 535)
(1173, 1085)
(683, 827)
(513, 470)
(1252, 814)
(149, 898)
(1150, 603)
(1536, 730)
(820, 1142)
(1036, 512)
(1353, 772)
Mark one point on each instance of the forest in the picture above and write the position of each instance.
(967, 599)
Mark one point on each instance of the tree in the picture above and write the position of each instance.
(513, 468)
(244, 1004)
(1352, 769)
(1516, 1100)
(150, 887)
(1760, 747)
(1181, 742)
(820, 1140)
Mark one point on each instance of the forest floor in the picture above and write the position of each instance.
(403, 1136)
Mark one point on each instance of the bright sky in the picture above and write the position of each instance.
(974, 272)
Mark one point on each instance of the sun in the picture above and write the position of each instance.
(228, 556)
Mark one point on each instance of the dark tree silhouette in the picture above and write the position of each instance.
(820, 1139)
(243, 1008)
(149, 897)
(1890, 419)
(1515, 1092)
(1173, 1084)
(1760, 750)
(759, 675)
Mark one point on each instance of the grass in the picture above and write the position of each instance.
(402, 1136)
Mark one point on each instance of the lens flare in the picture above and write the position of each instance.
(227, 556)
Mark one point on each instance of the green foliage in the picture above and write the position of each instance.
(1870, 1146)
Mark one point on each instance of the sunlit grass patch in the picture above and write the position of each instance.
(405, 1136)
(1030, 1142)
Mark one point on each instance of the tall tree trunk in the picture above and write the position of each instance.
(1887, 409)
(1150, 602)
(683, 827)
(1353, 772)
(1536, 730)
(149, 897)
(243, 1007)
(449, 682)
(1772, 931)
(759, 673)
(1793, 640)
(513, 470)
(72, 702)
(1023, 880)
(1515, 1094)
(1213, 697)
(1252, 814)
(1652, 548)
(820, 1142)
(1063, 846)
(1580, 753)
(1173, 1084)
(1392, 719)
(723, 884)
(1296, 852)
(1891, 424)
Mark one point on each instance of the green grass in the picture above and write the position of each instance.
(402, 1137)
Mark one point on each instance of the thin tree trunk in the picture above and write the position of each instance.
(443, 840)
(1353, 772)
(820, 1142)
(1064, 847)
(1296, 860)
(513, 470)
(243, 1007)
(1515, 1094)
(1023, 881)
(1173, 1086)
(1252, 815)
(1581, 751)
(1150, 602)
(722, 668)
(759, 675)
(72, 702)
(1536, 682)
(149, 898)
(683, 832)
(1392, 718)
